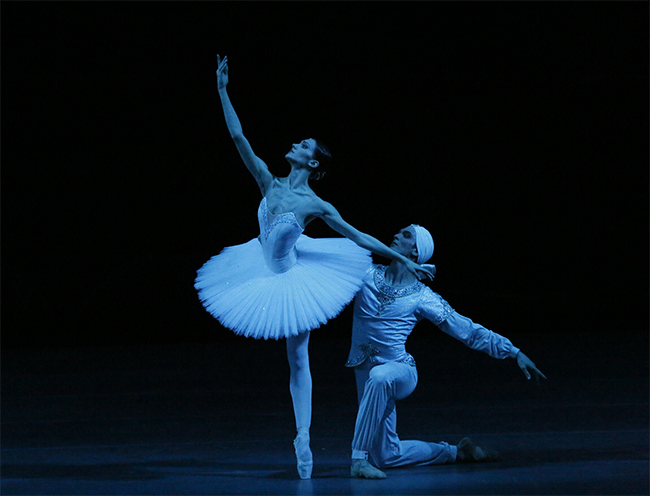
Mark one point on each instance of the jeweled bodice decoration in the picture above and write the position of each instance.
(278, 236)
(267, 224)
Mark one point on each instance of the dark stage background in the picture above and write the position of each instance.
(516, 132)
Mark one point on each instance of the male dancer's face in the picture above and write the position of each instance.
(404, 243)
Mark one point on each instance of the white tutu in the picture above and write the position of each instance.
(238, 288)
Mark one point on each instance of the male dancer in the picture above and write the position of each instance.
(386, 308)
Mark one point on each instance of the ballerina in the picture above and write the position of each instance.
(284, 284)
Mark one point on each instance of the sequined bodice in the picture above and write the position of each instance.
(278, 236)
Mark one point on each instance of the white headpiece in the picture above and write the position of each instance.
(424, 243)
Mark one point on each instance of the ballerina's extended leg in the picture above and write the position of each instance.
(300, 385)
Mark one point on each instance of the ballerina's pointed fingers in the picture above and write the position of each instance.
(222, 64)
(427, 271)
(431, 269)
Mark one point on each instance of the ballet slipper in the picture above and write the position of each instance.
(303, 456)
(363, 469)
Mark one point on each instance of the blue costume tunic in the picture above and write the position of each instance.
(384, 317)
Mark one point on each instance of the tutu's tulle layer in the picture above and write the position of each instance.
(238, 288)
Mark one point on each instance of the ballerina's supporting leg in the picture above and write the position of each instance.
(301, 386)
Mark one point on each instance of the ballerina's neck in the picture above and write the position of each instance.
(298, 178)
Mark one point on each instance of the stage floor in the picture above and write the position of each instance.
(217, 419)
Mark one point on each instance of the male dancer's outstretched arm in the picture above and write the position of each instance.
(477, 337)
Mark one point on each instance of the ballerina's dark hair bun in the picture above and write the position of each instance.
(324, 157)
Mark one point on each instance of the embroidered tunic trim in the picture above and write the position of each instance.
(370, 353)
(388, 294)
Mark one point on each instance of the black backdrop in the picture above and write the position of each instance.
(516, 132)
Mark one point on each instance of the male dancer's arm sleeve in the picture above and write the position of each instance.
(434, 308)
(477, 337)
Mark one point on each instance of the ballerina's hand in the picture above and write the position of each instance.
(430, 268)
(222, 72)
(421, 271)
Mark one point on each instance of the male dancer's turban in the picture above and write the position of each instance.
(424, 243)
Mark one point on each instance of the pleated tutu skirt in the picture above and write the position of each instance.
(239, 289)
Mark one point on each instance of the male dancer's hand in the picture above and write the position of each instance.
(528, 368)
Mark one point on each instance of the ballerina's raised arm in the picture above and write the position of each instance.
(255, 165)
(324, 210)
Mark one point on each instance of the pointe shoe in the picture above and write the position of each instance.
(363, 469)
(468, 452)
(304, 457)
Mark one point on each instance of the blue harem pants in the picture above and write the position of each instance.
(375, 436)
